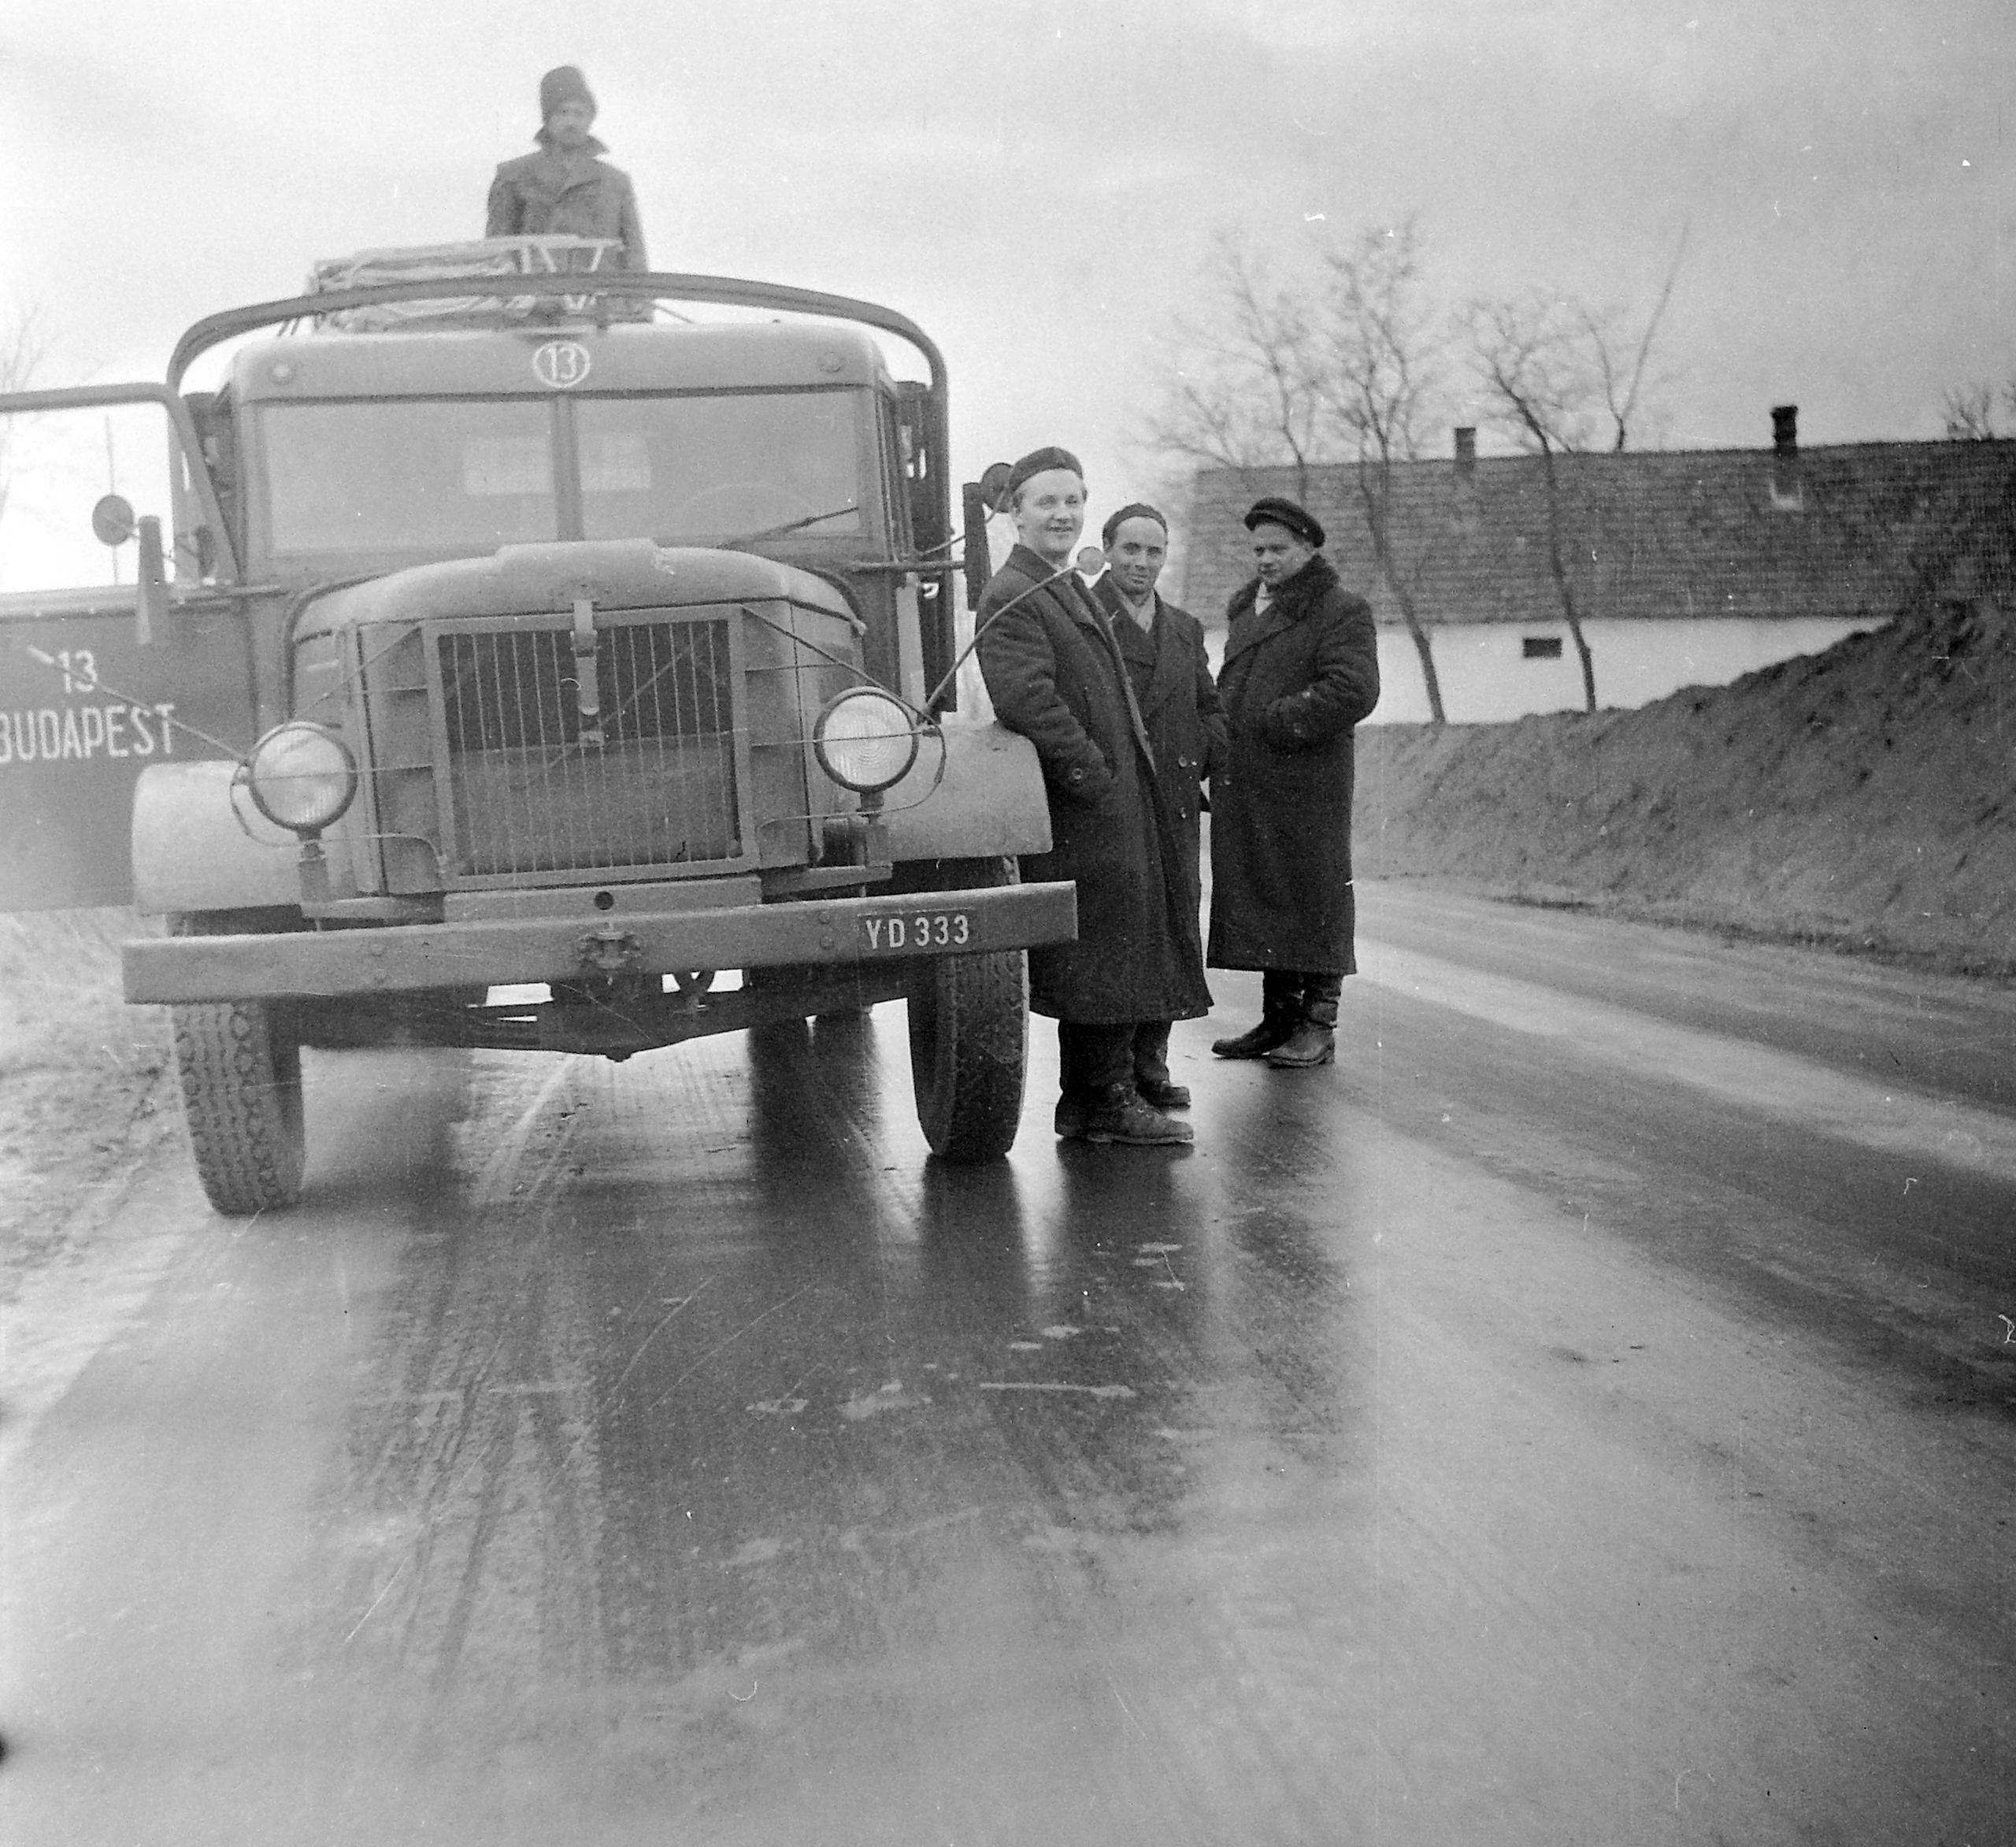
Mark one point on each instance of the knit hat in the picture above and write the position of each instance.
(1040, 461)
(1135, 510)
(564, 84)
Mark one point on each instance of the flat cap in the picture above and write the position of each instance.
(1271, 510)
(1040, 461)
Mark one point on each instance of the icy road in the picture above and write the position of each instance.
(1586, 1415)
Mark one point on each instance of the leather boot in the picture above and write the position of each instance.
(1313, 1042)
(1118, 1114)
(1280, 1007)
(1159, 1090)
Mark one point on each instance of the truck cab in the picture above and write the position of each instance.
(522, 665)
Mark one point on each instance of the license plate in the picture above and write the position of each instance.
(915, 932)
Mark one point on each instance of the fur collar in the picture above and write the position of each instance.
(1296, 597)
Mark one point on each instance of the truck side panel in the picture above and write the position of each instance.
(84, 709)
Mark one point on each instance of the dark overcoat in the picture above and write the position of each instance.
(1296, 679)
(1055, 674)
(550, 193)
(1178, 704)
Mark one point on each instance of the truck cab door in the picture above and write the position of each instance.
(91, 695)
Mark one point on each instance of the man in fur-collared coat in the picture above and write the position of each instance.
(1055, 673)
(1163, 647)
(1301, 668)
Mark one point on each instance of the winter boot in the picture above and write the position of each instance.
(1069, 1121)
(1159, 1090)
(1118, 1114)
(1314, 1039)
(1280, 1007)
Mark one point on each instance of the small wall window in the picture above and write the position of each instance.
(1539, 647)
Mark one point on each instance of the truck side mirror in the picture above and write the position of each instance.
(994, 486)
(112, 520)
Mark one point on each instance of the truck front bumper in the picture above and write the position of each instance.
(493, 952)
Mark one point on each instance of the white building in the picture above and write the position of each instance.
(1687, 567)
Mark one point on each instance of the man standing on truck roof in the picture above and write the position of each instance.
(1056, 674)
(564, 188)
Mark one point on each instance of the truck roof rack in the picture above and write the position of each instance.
(475, 261)
(616, 294)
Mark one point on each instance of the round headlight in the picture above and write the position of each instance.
(301, 776)
(865, 740)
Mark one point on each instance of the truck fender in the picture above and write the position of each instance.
(988, 803)
(199, 844)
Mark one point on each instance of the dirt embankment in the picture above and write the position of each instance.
(1865, 797)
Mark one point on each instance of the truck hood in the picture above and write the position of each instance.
(530, 580)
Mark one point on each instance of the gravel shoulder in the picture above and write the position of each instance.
(87, 1101)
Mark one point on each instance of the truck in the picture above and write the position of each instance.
(531, 656)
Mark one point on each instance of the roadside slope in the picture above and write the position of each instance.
(1865, 797)
(86, 1092)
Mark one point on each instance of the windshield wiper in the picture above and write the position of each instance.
(811, 519)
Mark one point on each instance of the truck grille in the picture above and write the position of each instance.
(536, 787)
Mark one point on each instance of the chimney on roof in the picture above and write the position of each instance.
(1466, 453)
(1785, 495)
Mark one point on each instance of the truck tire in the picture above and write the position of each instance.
(969, 1030)
(240, 1066)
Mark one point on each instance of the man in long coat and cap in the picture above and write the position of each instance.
(564, 188)
(1055, 674)
(1301, 668)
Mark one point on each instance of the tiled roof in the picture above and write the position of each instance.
(1648, 535)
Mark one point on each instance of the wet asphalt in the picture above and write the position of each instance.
(1587, 1413)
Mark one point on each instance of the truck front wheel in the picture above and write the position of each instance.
(969, 1022)
(240, 1066)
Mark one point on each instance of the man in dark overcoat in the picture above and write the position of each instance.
(1055, 673)
(565, 187)
(1163, 647)
(1301, 668)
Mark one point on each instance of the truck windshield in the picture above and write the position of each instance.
(446, 476)
(679, 469)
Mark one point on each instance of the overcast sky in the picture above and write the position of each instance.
(1037, 183)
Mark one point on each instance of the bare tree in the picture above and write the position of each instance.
(1310, 370)
(1607, 335)
(1558, 373)
(1542, 384)
(1380, 349)
(1347, 368)
(1235, 390)
(1970, 411)
(24, 348)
